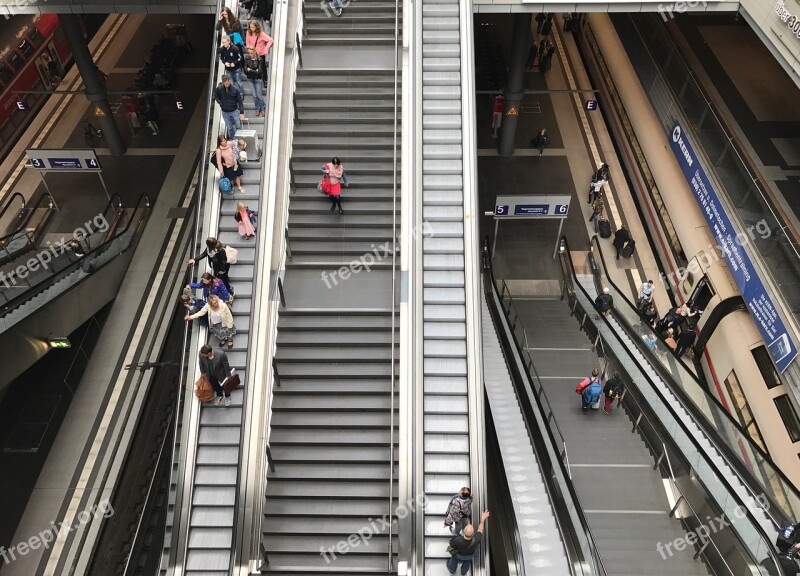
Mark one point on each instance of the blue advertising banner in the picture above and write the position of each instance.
(782, 348)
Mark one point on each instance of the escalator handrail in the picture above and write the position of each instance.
(12, 304)
(766, 540)
(7, 206)
(726, 452)
(490, 287)
(28, 216)
(508, 515)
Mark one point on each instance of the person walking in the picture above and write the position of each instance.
(214, 365)
(612, 390)
(231, 57)
(645, 295)
(540, 140)
(244, 217)
(230, 100)
(621, 237)
(217, 258)
(254, 71)
(603, 303)
(684, 342)
(590, 390)
(597, 214)
(546, 57)
(591, 395)
(212, 286)
(335, 172)
(227, 163)
(459, 511)
(220, 320)
(462, 548)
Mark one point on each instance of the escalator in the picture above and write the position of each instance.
(200, 534)
(717, 468)
(23, 227)
(451, 392)
(58, 267)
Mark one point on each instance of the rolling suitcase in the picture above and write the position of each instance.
(627, 251)
(604, 226)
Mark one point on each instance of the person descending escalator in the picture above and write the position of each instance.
(612, 390)
(590, 390)
(218, 259)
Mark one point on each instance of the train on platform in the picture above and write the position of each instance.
(34, 57)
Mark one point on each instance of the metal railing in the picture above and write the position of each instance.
(21, 240)
(183, 370)
(580, 545)
(744, 541)
(756, 468)
(674, 92)
(396, 88)
(93, 257)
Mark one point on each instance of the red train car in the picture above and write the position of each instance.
(34, 56)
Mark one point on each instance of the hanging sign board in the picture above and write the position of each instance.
(764, 313)
(78, 160)
(538, 206)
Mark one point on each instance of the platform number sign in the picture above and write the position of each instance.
(501, 210)
(561, 209)
(92, 163)
(591, 105)
(38, 163)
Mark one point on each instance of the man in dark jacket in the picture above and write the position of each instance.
(465, 546)
(621, 237)
(214, 364)
(604, 303)
(231, 101)
(685, 341)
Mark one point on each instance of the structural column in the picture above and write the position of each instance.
(515, 88)
(94, 88)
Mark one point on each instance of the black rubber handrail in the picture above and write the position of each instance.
(766, 541)
(731, 456)
(521, 379)
(32, 291)
(28, 216)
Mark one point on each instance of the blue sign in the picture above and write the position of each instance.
(780, 344)
(591, 105)
(531, 209)
(92, 163)
(501, 210)
(62, 163)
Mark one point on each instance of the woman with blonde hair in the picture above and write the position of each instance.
(244, 216)
(220, 320)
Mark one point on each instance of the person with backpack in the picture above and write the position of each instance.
(230, 24)
(459, 511)
(590, 390)
(603, 303)
(462, 548)
(214, 365)
(612, 390)
(228, 163)
(218, 259)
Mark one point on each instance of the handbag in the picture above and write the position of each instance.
(203, 389)
(231, 254)
(324, 185)
(452, 551)
(231, 383)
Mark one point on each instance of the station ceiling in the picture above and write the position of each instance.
(14, 7)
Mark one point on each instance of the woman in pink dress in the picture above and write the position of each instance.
(244, 217)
